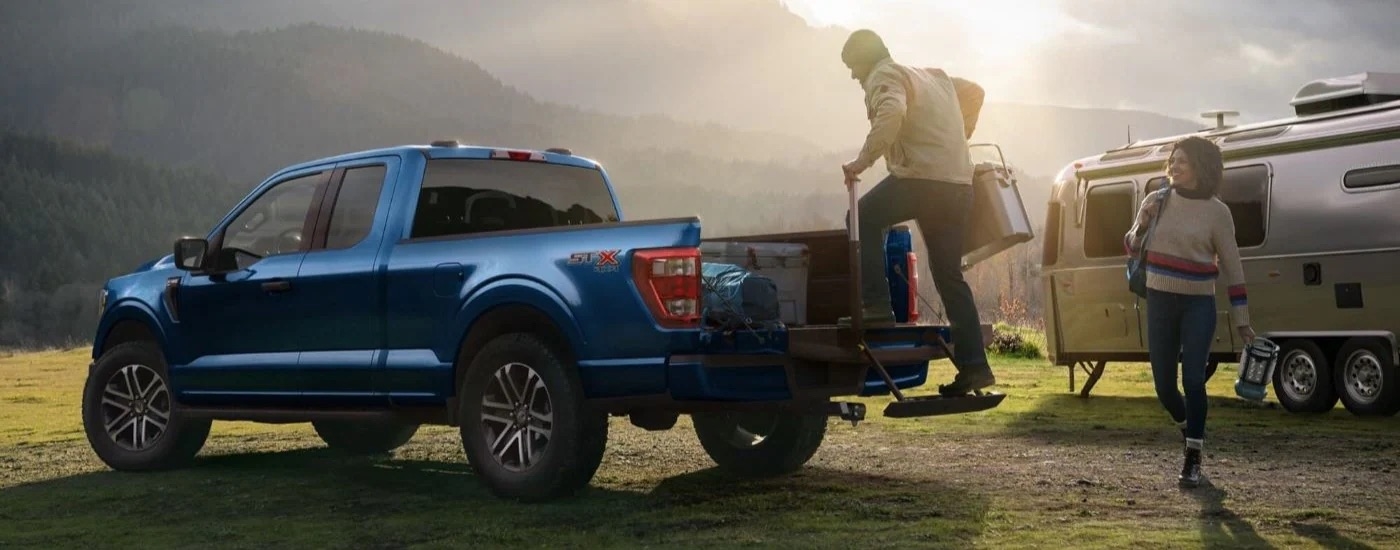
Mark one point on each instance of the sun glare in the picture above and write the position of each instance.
(1005, 29)
(996, 30)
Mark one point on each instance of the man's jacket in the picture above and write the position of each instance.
(924, 138)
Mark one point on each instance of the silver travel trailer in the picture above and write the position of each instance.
(1316, 205)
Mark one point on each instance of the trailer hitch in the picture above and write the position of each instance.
(852, 412)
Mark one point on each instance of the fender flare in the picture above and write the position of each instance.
(127, 310)
(516, 291)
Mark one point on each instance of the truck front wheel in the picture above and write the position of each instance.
(131, 418)
(760, 444)
(525, 427)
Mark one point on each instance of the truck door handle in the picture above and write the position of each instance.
(276, 286)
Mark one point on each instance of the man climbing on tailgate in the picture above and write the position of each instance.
(918, 125)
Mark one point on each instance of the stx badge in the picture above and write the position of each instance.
(603, 261)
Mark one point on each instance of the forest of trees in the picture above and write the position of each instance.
(71, 218)
(115, 143)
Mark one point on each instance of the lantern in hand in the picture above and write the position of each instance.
(1257, 363)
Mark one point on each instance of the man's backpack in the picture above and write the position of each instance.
(970, 95)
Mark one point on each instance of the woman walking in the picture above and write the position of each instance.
(1193, 242)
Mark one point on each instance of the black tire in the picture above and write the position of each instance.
(573, 437)
(133, 414)
(1303, 378)
(789, 440)
(365, 437)
(1366, 379)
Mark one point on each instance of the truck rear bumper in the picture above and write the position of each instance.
(818, 366)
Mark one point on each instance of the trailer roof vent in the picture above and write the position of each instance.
(1346, 92)
(446, 143)
(1219, 116)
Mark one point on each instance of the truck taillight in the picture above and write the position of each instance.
(911, 266)
(669, 280)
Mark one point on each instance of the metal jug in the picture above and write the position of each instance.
(1257, 362)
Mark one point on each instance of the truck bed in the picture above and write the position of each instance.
(828, 281)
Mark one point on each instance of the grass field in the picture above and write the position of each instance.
(1046, 469)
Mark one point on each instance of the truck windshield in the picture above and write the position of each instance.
(467, 196)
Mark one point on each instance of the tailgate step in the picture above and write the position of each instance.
(935, 405)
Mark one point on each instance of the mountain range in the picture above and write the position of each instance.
(169, 111)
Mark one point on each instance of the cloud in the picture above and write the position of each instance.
(1186, 56)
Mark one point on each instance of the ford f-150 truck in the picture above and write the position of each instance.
(497, 291)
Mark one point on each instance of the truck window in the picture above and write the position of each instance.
(273, 223)
(467, 196)
(1245, 190)
(355, 204)
(1108, 215)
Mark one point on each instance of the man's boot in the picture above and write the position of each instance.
(968, 381)
(872, 316)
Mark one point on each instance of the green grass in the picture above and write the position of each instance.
(1046, 469)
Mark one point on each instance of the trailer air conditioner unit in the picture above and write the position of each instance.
(1346, 92)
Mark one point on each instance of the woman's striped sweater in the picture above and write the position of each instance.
(1182, 254)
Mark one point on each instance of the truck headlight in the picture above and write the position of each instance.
(101, 302)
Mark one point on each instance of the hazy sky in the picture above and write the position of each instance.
(1177, 57)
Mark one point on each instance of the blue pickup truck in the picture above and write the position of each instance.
(497, 291)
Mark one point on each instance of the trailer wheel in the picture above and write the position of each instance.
(760, 444)
(1303, 378)
(1366, 379)
(525, 427)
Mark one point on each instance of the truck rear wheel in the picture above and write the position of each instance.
(760, 444)
(1303, 378)
(1366, 378)
(365, 437)
(130, 415)
(525, 427)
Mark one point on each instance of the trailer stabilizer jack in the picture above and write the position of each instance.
(935, 405)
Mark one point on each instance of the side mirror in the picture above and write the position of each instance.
(190, 253)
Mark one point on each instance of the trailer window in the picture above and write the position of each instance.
(1108, 215)
(1245, 190)
(1050, 252)
(1367, 178)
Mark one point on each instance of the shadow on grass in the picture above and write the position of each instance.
(1221, 527)
(322, 498)
(1111, 420)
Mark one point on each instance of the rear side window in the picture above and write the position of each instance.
(1108, 215)
(469, 196)
(355, 205)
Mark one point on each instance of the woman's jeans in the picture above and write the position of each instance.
(1181, 326)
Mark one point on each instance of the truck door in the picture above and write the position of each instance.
(240, 332)
(340, 288)
(1096, 311)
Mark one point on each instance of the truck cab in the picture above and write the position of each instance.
(499, 291)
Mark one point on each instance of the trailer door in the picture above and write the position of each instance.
(1096, 311)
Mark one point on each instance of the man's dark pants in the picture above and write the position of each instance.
(942, 210)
